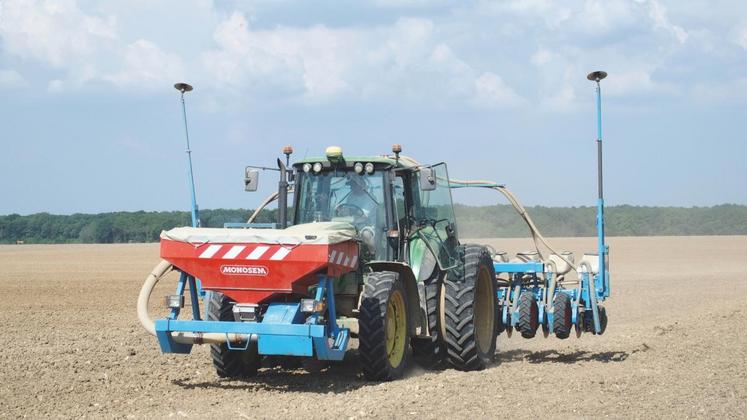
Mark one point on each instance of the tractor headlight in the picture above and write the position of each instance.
(317, 167)
(369, 168)
(358, 167)
(306, 167)
(245, 312)
(173, 301)
(312, 306)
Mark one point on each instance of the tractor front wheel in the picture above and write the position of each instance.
(384, 327)
(230, 363)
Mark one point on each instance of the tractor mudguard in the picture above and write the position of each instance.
(422, 259)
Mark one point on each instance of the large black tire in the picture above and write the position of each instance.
(430, 352)
(562, 316)
(382, 341)
(470, 311)
(230, 363)
(528, 315)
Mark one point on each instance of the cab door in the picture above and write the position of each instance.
(433, 240)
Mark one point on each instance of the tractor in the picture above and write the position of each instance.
(369, 250)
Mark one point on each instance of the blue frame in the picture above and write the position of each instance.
(593, 289)
(283, 331)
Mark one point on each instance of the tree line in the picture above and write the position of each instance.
(472, 221)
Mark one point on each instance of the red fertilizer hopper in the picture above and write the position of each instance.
(253, 265)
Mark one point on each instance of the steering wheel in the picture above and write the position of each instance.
(346, 209)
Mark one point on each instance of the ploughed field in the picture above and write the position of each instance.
(676, 346)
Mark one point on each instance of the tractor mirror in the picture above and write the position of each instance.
(251, 179)
(427, 179)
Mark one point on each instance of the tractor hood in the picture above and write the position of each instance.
(252, 265)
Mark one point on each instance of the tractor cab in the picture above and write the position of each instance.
(402, 211)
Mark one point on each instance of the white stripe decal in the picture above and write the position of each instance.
(354, 261)
(347, 262)
(280, 254)
(332, 256)
(236, 250)
(210, 251)
(339, 259)
(258, 251)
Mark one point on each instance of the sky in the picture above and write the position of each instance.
(90, 121)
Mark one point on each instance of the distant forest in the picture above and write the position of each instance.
(472, 221)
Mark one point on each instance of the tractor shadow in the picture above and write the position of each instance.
(339, 377)
(312, 377)
(570, 357)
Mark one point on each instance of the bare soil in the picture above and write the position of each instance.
(675, 347)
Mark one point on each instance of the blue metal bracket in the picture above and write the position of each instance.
(180, 285)
(522, 267)
(168, 345)
(238, 348)
(284, 329)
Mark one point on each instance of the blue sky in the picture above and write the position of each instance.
(90, 122)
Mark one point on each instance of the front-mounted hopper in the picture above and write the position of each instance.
(261, 271)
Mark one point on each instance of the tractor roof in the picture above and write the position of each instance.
(402, 163)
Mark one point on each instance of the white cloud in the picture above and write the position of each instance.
(552, 13)
(729, 91)
(632, 82)
(11, 79)
(658, 14)
(145, 63)
(492, 91)
(86, 47)
(484, 54)
(541, 57)
(311, 60)
(407, 59)
(741, 37)
(409, 3)
(56, 32)
(56, 86)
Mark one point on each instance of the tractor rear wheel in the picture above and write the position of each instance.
(230, 363)
(528, 315)
(470, 312)
(384, 327)
(429, 352)
(562, 316)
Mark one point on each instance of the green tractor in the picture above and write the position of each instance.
(416, 290)
(371, 251)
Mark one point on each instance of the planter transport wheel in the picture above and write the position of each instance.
(528, 315)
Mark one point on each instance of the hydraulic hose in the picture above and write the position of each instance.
(270, 198)
(537, 237)
(163, 268)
